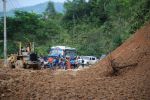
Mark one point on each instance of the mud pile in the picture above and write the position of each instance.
(130, 54)
(123, 75)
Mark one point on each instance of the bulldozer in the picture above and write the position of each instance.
(24, 58)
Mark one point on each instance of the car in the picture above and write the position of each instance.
(88, 60)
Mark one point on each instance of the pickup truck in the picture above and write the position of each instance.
(88, 60)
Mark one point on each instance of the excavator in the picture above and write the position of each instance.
(24, 58)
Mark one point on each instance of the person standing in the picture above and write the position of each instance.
(68, 63)
(62, 63)
(50, 60)
(82, 63)
(57, 61)
(76, 63)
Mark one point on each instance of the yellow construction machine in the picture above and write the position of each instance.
(25, 57)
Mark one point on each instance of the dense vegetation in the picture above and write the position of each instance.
(94, 27)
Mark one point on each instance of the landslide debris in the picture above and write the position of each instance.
(122, 75)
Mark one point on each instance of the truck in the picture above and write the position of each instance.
(64, 52)
(88, 60)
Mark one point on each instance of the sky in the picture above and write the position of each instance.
(12, 4)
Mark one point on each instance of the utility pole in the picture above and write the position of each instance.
(5, 36)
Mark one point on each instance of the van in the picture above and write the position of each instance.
(88, 60)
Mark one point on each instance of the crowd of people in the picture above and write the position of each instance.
(59, 62)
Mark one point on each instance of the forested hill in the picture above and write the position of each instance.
(95, 27)
(39, 8)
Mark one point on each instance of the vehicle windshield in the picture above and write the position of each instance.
(56, 52)
(85, 57)
(70, 53)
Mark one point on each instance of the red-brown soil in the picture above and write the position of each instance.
(123, 75)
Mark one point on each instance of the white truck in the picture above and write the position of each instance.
(88, 60)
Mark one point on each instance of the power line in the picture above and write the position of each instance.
(9, 5)
(13, 6)
(18, 3)
(14, 2)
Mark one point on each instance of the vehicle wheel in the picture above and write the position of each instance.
(35, 66)
(38, 66)
(11, 65)
(42, 65)
(27, 66)
(19, 64)
(87, 64)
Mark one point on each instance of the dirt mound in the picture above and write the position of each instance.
(128, 55)
(123, 75)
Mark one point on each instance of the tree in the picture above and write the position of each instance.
(50, 10)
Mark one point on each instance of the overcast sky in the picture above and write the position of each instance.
(22, 3)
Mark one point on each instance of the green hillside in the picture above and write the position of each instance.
(95, 27)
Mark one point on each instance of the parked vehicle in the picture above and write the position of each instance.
(63, 52)
(88, 60)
